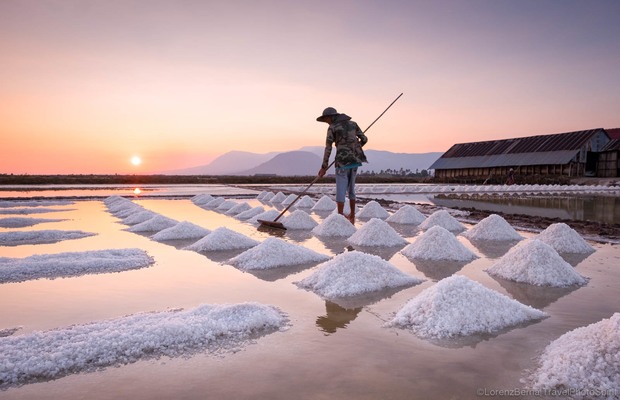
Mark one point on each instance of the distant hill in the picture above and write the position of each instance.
(227, 164)
(291, 163)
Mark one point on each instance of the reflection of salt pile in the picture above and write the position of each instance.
(202, 198)
(586, 359)
(325, 203)
(334, 225)
(268, 215)
(157, 223)
(305, 202)
(377, 232)
(492, 227)
(443, 219)
(278, 198)
(182, 230)
(407, 215)
(353, 273)
(438, 244)
(372, 209)
(299, 219)
(273, 253)
(223, 239)
(238, 209)
(458, 306)
(216, 202)
(564, 239)
(226, 205)
(536, 263)
(253, 212)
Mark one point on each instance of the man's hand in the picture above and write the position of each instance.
(322, 172)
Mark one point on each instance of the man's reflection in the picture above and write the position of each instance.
(336, 317)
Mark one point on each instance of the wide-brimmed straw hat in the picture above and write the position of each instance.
(328, 112)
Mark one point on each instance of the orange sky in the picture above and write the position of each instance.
(87, 84)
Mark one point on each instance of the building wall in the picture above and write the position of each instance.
(572, 169)
(608, 164)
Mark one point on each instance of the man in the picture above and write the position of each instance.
(349, 140)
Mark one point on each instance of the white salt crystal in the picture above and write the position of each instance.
(372, 209)
(261, 195)
(299, 220)
(492, 227)
(353, 273)
(407, 215)
(223, 239)
(269, 215)
(458, 306)
(216, 202)
(182, 230)
(157, 223)
(253, 212)
(438, 244)
(273, 253)
(325, 203)
(291, 197)
(202, 198)
(443, 219)
(268, 196)
(536, 263)
(238, 209)
(377, 232)
(278, 198)
(564, 239)
(139, 217)
(305, 202)
(226, 205)
(16, 238)
(335, 225)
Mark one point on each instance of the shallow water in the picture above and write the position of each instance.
(332, 350)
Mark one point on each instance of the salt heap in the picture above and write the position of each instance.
(268, 215)
(536, 263)
(226, 205)
(182, 230)
(139, 217)
(268, 196)
(407, 214)
(353, 273)
(291, 197)
(586, 359)
(443, 219)
(372, 209)
(157, 223)
(273, 253)
(377, 232)
(16, 238)
(325, 203)
(202, 198)
(253, 212)
(238, 209)
(278, 198)
(305, 202)
(261, 195)
(223, 239)
(299, 220)
(564, 239)
(458, 306)
(438, 244)
(494, 228)
(216, 202)
(334, 225)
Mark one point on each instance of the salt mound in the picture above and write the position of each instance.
(223, 239)
(139, 217)
(291, 197)
(261, 195)
(564, 239)
(112, 199)
(407, 214)
(536, 263)
(493, 227)
(353, 273)
(182, 230)
(268, 196)
(458, 306)
(438, 244)
(216, 202)
(226, 205)
(157, 223)
(299, 220)
(305, 202)
(372, 209)
(16, 238)
(268, 215)
(20, 222)
(253, 212)
(325, 203)
(586, 359)
(334, 225)
(238, 209)
(202, 198)
(443, 219)
(273, 253)
(130, 210)
(278, 198)
(377, 232)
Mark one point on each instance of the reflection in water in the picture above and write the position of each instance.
(336, 317)
(536, 296)
(574, 258)
(437, 270)
(275, 274)
(137, 191)
(493, 249)
(385, 253)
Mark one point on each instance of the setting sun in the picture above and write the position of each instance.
(135, 160)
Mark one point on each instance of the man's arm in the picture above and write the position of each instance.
(329, 141)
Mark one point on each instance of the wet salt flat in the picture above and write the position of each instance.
(315, 330)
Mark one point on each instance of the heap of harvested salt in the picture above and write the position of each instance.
(299, 220)
(157, 223)
(325, 203)
(372, 209)
(226, 205)
(273, 253)
(305, 202)
(458, 306)
(334, 225)
(202, 198)
(182, 230)
(139, 217)
(253, 212)
(492, 227)
(268, 215)
(291, 197)
(261, 195)
(586, 359)
(278, 198)
(377, 232)
(438, 244)
(238, 209)
(443, 219)
(564, 239)
(268, 196)
(407, 214)
(223, 239)
(353, 273)
(216, 202)
(536, 263)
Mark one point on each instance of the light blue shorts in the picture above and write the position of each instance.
(345, 183)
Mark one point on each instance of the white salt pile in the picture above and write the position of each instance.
(291, 197)
(353, 273)
(139, 217)
(202, 198)
(253, 212)
(261, 195)
(299, 220)
(223, 239)
(372, 209)
(494, 228)
(273, 253)
(407, 214)
(376, 232)
(238, 209)
(584, 360)
(305, 202)
(564, 239)
(130, 210)
(25, 211)
(536, 263)
(325, 203)
(34, 203)
(438, 244)
(335, 225)
(268, 215)
(64, 265)
(22, 222)
(157, 223)
(268, 196)
(226, 205)
(82, 348)
(458, 306)
(444, 219)
(112, 199)
(216, 202)
(39, 237)
(278, 198)
(182, 230)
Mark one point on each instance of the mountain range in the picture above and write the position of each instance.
(303, 162)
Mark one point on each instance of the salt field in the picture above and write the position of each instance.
(198, 302)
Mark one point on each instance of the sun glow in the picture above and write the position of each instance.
(135, 160)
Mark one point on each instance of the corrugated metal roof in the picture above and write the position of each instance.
(506, 160)
(612, 145)
(613, 133)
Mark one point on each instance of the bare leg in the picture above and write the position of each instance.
(352, 215)
(340, 205)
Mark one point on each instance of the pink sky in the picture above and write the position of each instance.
(85, 85)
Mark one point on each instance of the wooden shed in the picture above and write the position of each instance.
(609, 157)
